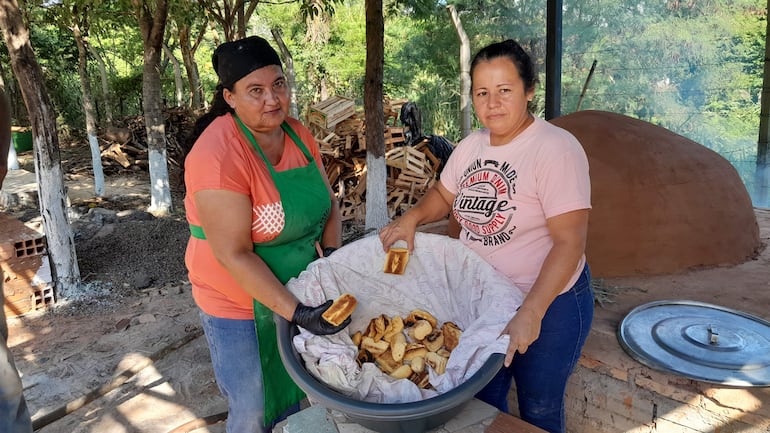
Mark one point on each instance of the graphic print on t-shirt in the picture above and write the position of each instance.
(268, 219)
(484, 199)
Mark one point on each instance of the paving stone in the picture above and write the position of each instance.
(475, 412)
(475, 417)
(314, 419)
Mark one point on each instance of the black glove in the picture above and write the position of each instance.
(310, 319)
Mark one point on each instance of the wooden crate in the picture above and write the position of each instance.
(329, 112)
(394, 136)
(408, 159)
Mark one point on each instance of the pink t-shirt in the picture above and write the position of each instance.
(504, 194)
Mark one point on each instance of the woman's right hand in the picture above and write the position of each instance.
(400, 229)
(311, 319)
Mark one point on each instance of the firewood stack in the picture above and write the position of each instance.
(125, 148)
(340, 131)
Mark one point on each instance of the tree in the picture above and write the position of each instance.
(376, 191)
(79, 27)
(232, 16)
(465, 74)
(288, 61)
(153, 24)
(186, 16)
(48, 171)
(105, 84)
(177, 75)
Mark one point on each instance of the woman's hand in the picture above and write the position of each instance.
(401, 229)
(311, 319)
(523, 329)
(433, 206)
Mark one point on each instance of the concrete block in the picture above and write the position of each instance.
(475, 412)
(314, 419)
(350, 427)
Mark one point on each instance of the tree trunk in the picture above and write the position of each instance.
(376, 177)
(177, 75)
(152, 27)
(465, 73)
(241, 21)
(289, 63)
(48, 171)
(233, 18)
(191, 66)
(88, 109)
(106, 95)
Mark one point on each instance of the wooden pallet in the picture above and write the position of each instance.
(329, 112)
(407, 158)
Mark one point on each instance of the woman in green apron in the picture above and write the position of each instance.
(259, 206)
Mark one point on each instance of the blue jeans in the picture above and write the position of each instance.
(14, 414)
(235, 357)
(542, 372)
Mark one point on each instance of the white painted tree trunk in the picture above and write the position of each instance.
(88, 109)
(96, 163)
(376, 192)
(153, 25)
(60, 240)
(160, 191)
(48, 171)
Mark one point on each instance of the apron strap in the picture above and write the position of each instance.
(287, 129)
(197, 232)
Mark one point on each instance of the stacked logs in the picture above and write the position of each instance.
(124, 148)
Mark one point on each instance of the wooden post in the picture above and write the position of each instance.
(762, 174)
(374, 115)
(585, 85)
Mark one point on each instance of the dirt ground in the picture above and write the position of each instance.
(127, 354)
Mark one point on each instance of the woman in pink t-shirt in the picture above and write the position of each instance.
(520, 191)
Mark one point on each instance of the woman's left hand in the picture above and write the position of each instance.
(399, 230)
(523, 329)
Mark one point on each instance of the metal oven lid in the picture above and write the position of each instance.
(700, 341)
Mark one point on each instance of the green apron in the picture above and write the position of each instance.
(306, 205)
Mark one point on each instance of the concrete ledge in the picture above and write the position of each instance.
(475, 417)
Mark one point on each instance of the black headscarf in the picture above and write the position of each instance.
(234, 60)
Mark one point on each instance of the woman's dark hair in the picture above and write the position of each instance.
(515, 53)
(218, 108)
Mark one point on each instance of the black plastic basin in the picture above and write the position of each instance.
(414, 417)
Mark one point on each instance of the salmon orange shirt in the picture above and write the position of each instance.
(224, 159)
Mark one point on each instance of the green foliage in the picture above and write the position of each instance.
(692, 67)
